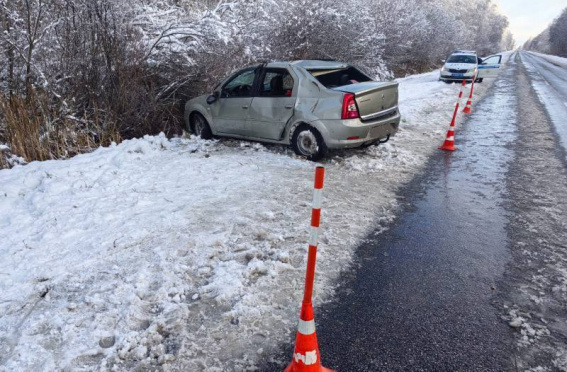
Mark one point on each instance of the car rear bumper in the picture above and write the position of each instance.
(355, 132)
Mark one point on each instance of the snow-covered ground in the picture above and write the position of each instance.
(556, 60)
(184, 254)
(548, 81)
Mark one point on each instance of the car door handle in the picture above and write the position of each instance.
(245, 107)
(288, 106)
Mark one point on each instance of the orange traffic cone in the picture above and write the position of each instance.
(449, 144)
(306, 356)
(468, 109)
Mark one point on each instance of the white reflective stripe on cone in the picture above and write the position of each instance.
(317, 198)
(450, 138)
(314, 236)
(306, 327)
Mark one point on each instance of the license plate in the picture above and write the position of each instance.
(376, 131)
(458, 75)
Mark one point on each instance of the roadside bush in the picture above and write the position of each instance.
(77, 74)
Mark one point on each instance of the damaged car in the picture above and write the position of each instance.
(311, 105)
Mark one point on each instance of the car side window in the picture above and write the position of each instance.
(276, 83)
(494, 60)
(240, 85)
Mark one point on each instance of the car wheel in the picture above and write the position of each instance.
(200, 127)
(479, 80)
(307, 141)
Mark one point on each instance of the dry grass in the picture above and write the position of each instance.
(36, 132)
(3, 161)
(23, 128)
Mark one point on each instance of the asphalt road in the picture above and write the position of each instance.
(421, 297)
(482, 234)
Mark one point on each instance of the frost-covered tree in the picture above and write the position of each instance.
(508, 41)
(558, 35)
(110, 69)
(553, 40)
(540, 43)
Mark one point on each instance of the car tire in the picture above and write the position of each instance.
(200, 127)
(479, 80)
(308, 142)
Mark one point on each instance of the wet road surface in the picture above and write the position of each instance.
(480, 242)
(421, 298)
(420, 295)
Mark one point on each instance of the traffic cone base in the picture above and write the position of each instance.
(306, 356)
(290, 368)
(449, 144)
(448, 147)
(467, 109)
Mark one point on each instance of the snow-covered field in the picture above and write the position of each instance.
(184, 254)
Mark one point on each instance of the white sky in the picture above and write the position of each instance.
(530, 17)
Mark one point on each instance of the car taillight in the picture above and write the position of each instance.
(350, 111)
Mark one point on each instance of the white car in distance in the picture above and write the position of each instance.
(465, 64)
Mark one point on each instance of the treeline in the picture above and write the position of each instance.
(76, 74)
(553, 40)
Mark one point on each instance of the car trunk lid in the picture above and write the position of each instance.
(374, 99)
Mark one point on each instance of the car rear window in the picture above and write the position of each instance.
(462, 59)
(339, 77)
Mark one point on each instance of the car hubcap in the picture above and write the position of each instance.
(199, 126)
(307, 143)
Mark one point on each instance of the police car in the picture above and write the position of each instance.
(464, 65)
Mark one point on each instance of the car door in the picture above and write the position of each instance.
(490, 67)
(273, 105)
(231, 110)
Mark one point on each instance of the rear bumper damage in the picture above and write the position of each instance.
(355, 132)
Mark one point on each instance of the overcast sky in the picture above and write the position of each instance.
(530, 17)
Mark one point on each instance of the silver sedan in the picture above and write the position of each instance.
(311, 105)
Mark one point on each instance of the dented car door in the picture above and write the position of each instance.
(273, 104)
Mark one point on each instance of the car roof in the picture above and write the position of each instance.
(317, 64)
(464, 52)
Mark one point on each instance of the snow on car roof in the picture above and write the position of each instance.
(464, 52)
(319, 64)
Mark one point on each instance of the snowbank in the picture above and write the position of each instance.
(556, 60)
(187, 254)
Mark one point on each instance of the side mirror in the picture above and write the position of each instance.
(212, 98)
(443, 60)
